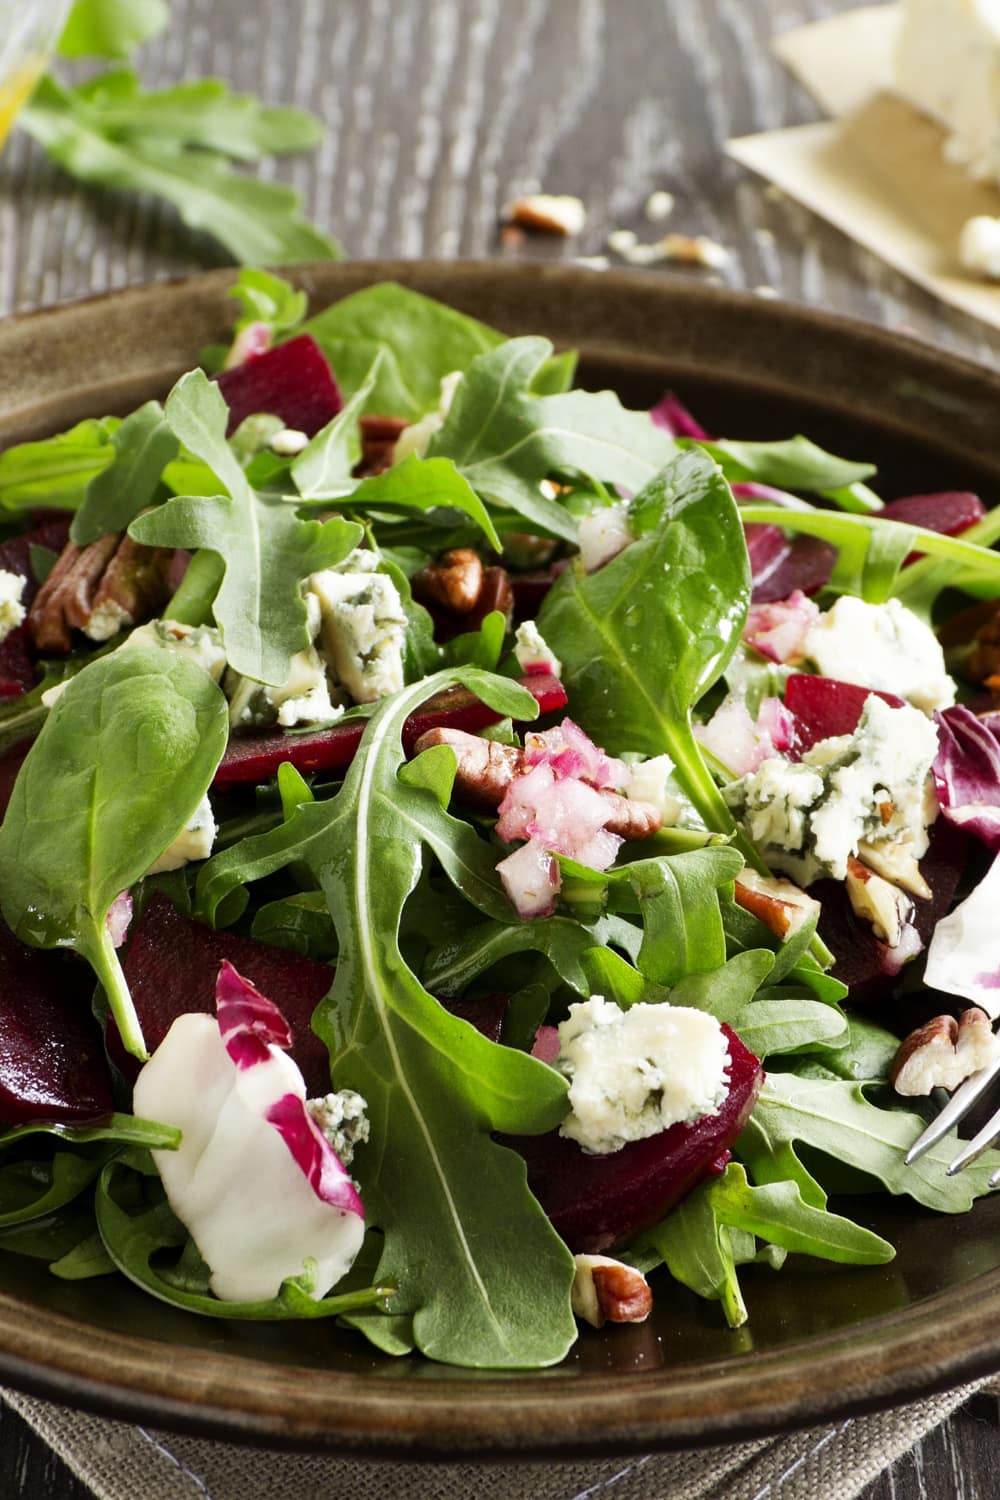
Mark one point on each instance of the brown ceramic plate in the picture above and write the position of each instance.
(822, 1341)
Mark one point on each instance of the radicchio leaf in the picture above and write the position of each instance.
(313, 1153)
(249, 1023)
(673, 416)
(967, 774)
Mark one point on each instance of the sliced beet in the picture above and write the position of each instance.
(52, 1063)
(862, 962)
(807, 565)
(293, 381)
(11, 761)
(595, 1202)
(171, 967)
(950, 513)
(258, 756)
(486, 1013)
(17, 660)
(823, 707)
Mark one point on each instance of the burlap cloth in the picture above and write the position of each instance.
(833, 1462)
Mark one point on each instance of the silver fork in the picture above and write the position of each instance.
(955, 1110)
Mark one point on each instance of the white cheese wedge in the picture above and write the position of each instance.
(948, 66)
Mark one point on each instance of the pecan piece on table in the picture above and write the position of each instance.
(943, 1053)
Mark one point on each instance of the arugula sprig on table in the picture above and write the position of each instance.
(176, 143)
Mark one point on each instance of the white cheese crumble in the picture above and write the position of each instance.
(979, 246)
(948, 66)
(11, 608)
(636, 1072)
(201, 644)
(883, 646)
(193, 842)
(603, 534)
(417, 437)
(531, 651)
(362, 626)
(808, 817)
(288, 442)
(106, 620)
(649, 782)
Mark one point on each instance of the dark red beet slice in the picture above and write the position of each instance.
(486, 1013)
(862, 962)
(951, 512)
(807, 565)
(171, 967)
(258, 756)
(17, 664)
(11, 762)
(595, 1202)
(822, 707)
(293, 381)
(52, 1064)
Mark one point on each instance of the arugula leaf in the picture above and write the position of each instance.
(266, 549)
(643, 638)
(483, 1276)
(87, 1258)
(111, 28)
(202, 113)
(324, 469)
(57, 470)
(505, 441)
(453, 965)
(257, 222)
(725, 993)
(834, 1117)
(865, 1057)
(270, 299)
(771, 1027)
(135, 1234)
(792, 464)
(144, 445)
(872, 552)
(119, 768)
(696, 1248)
(121, 1129)
(421, 484)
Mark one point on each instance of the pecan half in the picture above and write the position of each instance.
(484, 770)
(780, 905)
(378, 439)
(608, 1291)
(454, 581)
(943, 1052)
(99, 588)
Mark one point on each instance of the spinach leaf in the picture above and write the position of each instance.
(111, 28)
(57, 470)
(135, 1233)
(772, 1027)
(32, 1189)
(865, 1057)
(726, 992)
(483, 1276)
(834, 1117)
(119, 768)
(645, 636)
(266, 549)
(144, 445)
(87, 1258)
(505, 440)
(421, 341)
(257, 222)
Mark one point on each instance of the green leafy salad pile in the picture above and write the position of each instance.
(377, 871)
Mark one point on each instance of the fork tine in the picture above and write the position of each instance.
(977, 1145)
(955, 1110)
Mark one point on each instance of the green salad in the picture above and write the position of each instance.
(475, 855)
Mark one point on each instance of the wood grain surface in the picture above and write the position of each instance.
(437, 111)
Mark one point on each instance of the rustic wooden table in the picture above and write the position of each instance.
(437, 110)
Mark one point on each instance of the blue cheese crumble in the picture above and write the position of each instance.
(193, 842)
(343, 1120)
(362, 627)
(635, 1072)
(871, 787)
(11, 608)
(882, 646)
(303, 698)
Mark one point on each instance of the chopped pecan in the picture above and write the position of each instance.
(99, 588)
(378, 439)
(454, 581)
(780, 905)
(878, 902)
(608, 1291)
(547, 213)
(484, 770)
(943, 1052)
